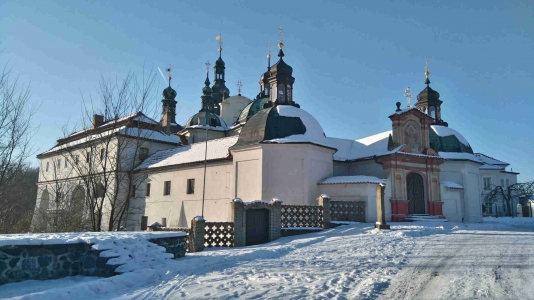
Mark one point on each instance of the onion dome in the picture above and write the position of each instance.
(199, 119)
(206, 90)
(251, 109)
(169, 93)
(281, 67)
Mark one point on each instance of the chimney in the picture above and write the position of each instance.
(97, 120)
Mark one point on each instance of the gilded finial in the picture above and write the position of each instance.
(219, 38)
(170, 74)
(280, 38)
(426, 69)
(239, 85)
(268, 49)
(408, 95)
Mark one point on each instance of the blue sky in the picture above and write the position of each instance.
(352, 60)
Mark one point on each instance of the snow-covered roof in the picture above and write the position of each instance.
(489, 160)
(314, 132)
(403, 111)
(217, 149)
(451, 185)
(366, 147)
(147, 134)
(443, 131)
(490, 167)
(353, 179)
(486, 161)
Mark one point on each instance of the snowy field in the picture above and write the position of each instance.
(493, 260)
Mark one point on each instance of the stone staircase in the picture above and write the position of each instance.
(424, 218)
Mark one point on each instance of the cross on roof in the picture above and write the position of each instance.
(239, 85)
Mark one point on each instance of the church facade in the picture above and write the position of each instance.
(269, 147)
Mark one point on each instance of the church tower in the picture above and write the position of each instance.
(264, 79)
(207, 99)
(428, 101)
(219, 89)
(281, 79)
(168, 113)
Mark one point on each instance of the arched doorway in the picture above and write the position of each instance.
(416, 193)
(77, 203)
(45, 200)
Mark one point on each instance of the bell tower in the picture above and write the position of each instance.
(219, 89)
(281, 79)
(428, 101)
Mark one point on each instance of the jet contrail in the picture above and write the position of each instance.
(162, 76)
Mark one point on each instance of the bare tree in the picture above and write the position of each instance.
(108, 153)
(16, 132)
(509, 196)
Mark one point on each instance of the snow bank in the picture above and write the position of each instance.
(131, 250)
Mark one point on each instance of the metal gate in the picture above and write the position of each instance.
(416, 194)
(257, 229)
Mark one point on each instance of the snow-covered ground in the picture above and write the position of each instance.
(413, 260)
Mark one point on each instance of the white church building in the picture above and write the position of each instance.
(270, 147)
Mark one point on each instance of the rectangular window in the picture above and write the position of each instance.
(132, 192)
(88, 157)
(190, 186)
(66, 162)
(167, 188)
(164, 222)
(59, 163)
(76, 158)
(507, 183)
(147, 191)
(102, 154)
(502, 183)
(47, 165)
(487, 183)
(143, 153)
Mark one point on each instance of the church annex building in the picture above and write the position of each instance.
(270, 147)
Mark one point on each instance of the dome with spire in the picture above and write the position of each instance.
(251, 109)
(199, 120)
(281, 67)
(169, 93)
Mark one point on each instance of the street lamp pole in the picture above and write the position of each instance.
(205, 161)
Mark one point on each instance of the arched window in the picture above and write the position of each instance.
(432, 112)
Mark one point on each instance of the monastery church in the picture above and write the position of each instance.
(270, 147)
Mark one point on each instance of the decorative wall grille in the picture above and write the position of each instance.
(219, 234)
(353, 211)
(302, 216)
(179, 229)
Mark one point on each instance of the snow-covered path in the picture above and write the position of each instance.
(411, 261)
(469, 264)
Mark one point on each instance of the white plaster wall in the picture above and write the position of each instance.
(366, 167)
(452, 209)
(291, 172)
(355, 192)
(247, 177)
(179, 207)
(467, 174)
(341, 168)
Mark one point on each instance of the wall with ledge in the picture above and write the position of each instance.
(42, 262)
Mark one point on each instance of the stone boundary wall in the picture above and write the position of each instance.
(41, 262)
(19, 263)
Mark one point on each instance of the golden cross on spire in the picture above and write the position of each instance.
(207, 66)
(219, 38)
(280, 38)
(239, 85)
(426, 69)
(170, 74)
(268, 49)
